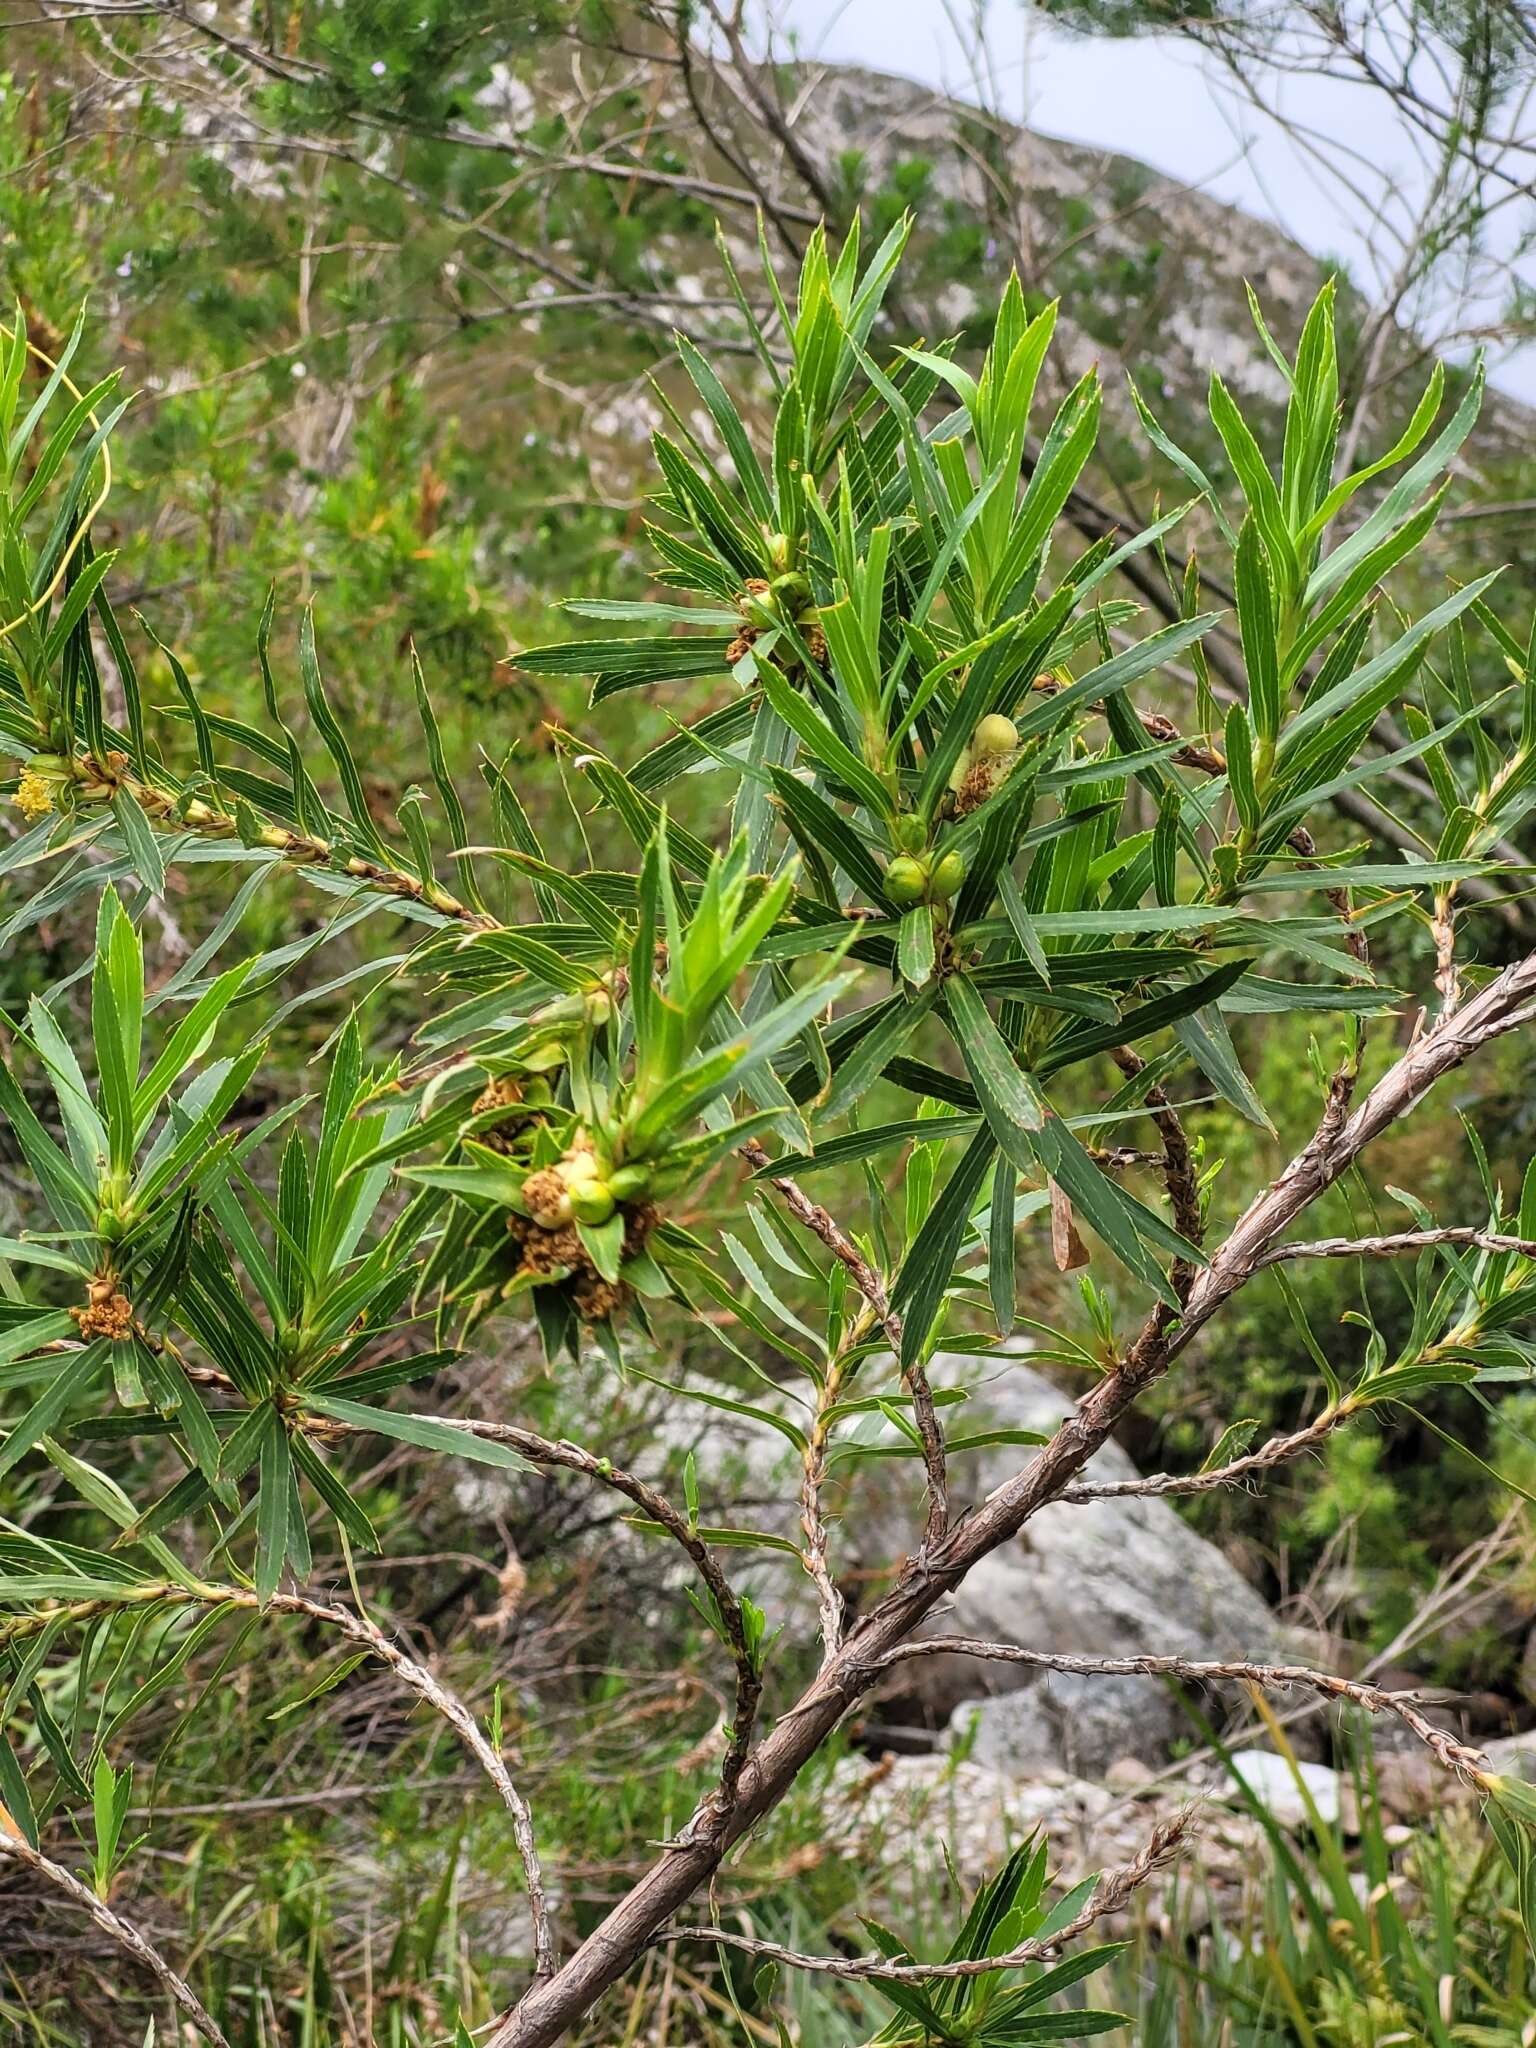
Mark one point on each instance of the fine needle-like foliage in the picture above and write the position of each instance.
(999, 874)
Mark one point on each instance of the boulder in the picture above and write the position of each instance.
(910, 1819)
(1063, 1721)
(1514, 1756)
(1108, 1578)
(1112, 1578)
(1272, 1781)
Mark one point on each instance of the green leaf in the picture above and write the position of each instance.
(914, 945)
(326, 1682)
(425, 1431)
(272, 1507)
(1140, 1022)
(925, 1273)
(1256, 621)
(894, 1023)
(15, 1798)
(335, 739)
(723, 1539)
(139, 840)
(1238, 738)
(75, 1373)
(830, 754)
(1010, 1101)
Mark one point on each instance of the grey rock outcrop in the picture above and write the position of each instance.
(1109, 1578)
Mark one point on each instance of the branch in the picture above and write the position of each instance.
(417, 1679)
(1457, 1757)
(119, 1930)
(357, 1629)
(1393, 1242)
(572, 1458)
(1166, 1841)
(813, 1474)
(1278, 1451)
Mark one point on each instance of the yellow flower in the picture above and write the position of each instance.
(34, 795)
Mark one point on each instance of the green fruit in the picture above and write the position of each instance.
(948, 877)
(592, 1201)
(911, 835)
(995, 735)
(906, 880)
(630, 1183)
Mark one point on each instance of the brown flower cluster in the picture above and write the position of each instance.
(559, 1254)
(502, 1092)
(108, 1313)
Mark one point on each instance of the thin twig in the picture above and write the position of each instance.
(368, 1636)
(1393, 1242)
(813, 1461)
(572, 1458)
(812, 1217)
(1457, 1757)
(417, 1679)
(1160, 1485)
(1166, 1841)
(119, 1930)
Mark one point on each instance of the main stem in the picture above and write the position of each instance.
(552, 2007)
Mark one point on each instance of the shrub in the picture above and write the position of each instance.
(971, 860)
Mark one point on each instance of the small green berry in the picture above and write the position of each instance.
(906, 880)
(995, 735)
(948, 877)
(910, 833)
(592, 1201)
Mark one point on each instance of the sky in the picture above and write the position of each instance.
(1151, 97)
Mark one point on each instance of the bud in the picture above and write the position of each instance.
(906, 880)
(948, 877)
(629, 1183)
(910, 834)
(995, 735)
(575, 1168)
